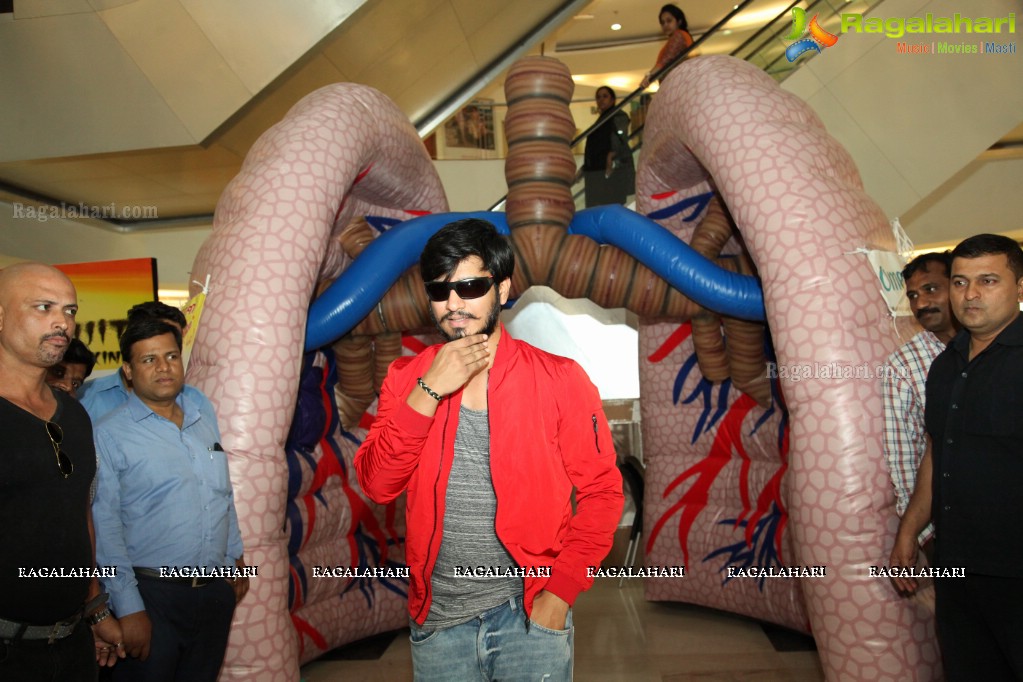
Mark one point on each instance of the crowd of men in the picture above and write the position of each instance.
(106, 504)
(129, 489)
(954, 443)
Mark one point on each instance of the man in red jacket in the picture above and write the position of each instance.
(489, 435)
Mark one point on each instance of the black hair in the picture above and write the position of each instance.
(989, 245)
(143, 327)
(461, 239)
(614, 97)
(679, 15)
(924, 260)
(78, 353)
(159, 311)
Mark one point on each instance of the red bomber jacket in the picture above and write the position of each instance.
(548, 434)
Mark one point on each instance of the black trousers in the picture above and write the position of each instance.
(72, 659)
(190, 629)
(980, 627)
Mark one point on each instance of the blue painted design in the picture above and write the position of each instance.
(380, 223)
(703, 390)
(761, 553)
(697, 204)
(369, 556)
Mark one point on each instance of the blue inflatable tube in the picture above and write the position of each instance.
(711, 286)
(359, 288)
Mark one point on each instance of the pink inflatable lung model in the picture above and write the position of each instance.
(343, 151)
(798, 202)
(731, 479)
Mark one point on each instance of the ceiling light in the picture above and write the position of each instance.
(616, 27)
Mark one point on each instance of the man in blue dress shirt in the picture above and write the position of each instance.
(165, 517)
(101, 395)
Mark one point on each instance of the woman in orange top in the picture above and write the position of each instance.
(674, 25)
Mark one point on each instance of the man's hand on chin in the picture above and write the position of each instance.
(549, 611)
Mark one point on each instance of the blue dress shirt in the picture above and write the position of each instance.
(101, 395)
(164, 496)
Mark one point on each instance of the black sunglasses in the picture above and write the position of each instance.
(467, 289)
(64, 463)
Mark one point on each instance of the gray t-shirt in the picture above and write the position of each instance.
(474, 572)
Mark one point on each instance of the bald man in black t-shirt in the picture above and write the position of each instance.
(47, 463)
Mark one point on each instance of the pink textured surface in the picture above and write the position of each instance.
(668, 450)
(342, 146)
(798, 201)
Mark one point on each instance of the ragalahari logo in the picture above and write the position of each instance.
(817, 39)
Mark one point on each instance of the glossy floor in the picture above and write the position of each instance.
(621, 636)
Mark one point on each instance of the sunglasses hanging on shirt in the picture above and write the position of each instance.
(64, 463)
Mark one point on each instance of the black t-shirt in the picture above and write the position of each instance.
(974, 416)
(43, 523)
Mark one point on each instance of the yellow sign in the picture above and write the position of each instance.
(106, 290)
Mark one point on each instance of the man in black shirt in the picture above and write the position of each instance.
(970, 476)
(47, 463)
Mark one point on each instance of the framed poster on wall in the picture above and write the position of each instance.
(106, 290)
(472, 127)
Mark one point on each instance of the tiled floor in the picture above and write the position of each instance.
(621, 636)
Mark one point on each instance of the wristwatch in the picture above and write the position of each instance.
(98, 617)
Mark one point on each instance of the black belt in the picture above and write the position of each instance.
(154, 574)
(11, 630)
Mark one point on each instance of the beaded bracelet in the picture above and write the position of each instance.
(429, 391)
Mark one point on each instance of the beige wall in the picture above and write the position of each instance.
(67, 241)
(912, 122)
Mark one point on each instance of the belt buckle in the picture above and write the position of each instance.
(54, 632)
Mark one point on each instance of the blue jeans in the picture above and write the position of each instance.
(494, 645)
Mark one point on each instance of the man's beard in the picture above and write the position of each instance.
(49, 356)
(488, 328)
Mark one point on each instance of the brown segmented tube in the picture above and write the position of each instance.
(612, 278)
(540, 166)
(354, 373)
(536, 245)
(539, 77)
(545, 119)
(710, 345)
(539, 202)
(362, 363)
(573, 269)
(356, 236)
(746, 358)
(541, 161)
(386, 348)
(722, 356)
(648, 293)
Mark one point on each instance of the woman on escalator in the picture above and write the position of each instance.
(674, 25)
(607, 162)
